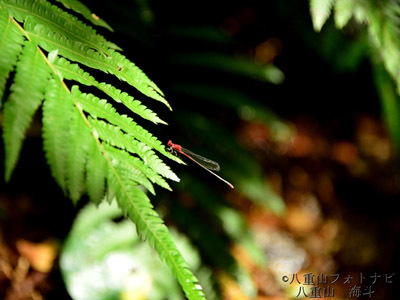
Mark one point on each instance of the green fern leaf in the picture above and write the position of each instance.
(77, 149)
(320, 11)
(74, 72)
(86, 153)
(102, 109)
(115, 63)
(134, 105)
(57, 20)
(343, 12)
(129, 72)
(137, 206)
(115, 137)
(82, 9)
(57, 113)
(26, 95)
(11, 40)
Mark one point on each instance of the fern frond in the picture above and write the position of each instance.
(320, 12)
(137, 206)
(89, 146)
(383, 31)
(102, 109)
(57, 20)
(82, 9)
(123, 177)
(227, 63)
(74, 72)
(57, 114)
(27, 93)
(96, 171)
(382, 19)
(115, 137)
(11, 40)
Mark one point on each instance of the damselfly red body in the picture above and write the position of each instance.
(203, 162)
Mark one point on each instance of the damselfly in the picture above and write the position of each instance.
(203, 162)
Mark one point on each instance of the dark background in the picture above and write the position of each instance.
(328, 94)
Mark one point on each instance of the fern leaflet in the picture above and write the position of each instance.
(343, 12)
(96, 171)
(320, 11)
(11, 40)
(74, 72)
(82, 9)
(57, 113)
(77, 148)
(27, 93)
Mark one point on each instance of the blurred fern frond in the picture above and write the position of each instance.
(320, 11)
(381, 20)
(89, 146)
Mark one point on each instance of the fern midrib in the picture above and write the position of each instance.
(94, 46)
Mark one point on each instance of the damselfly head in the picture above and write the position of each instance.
(169, 143)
